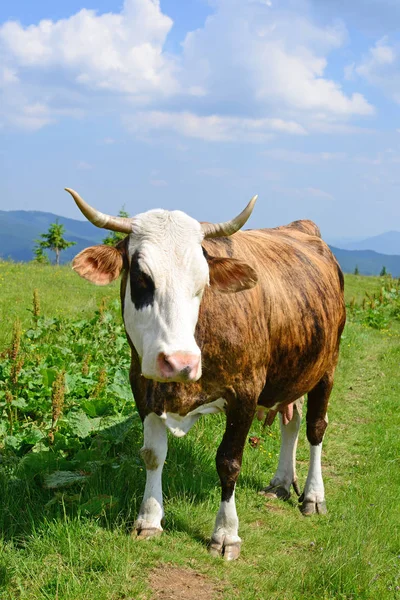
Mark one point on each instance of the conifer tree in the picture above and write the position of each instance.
(54, 240)
(39, 254)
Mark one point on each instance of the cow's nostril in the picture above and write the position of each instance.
(166, 367)
(180, 366)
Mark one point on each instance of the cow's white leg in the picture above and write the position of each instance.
(285, 476)
(154, 452)
(313, 497)
(225, 536)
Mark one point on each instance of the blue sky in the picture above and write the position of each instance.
(198, 105)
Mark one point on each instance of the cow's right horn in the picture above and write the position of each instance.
(122, 224)
(213, 230)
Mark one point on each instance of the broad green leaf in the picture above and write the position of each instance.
(79, 423)
(34, 436)
(61, 479)
(40, 462)
(97, 407)
(19, 403)
(115, 429)
(48, 376)
(10, 441)
(97, 505)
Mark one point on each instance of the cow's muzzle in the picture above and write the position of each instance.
(179, 367)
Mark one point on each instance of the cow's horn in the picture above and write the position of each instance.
(212, 230)
(122, 224)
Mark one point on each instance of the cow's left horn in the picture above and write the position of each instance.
(122, 224)
(213, 230)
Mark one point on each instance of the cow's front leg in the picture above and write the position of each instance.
(225, 540)
(154, 452)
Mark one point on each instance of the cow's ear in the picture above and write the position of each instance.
(229, 275)
(100, 264)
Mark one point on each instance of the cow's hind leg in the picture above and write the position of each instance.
(154, 452)
(313, 498)
(285, 475)
(225, 540)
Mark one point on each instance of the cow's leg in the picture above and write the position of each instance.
(225, 540)
(313, 498)
(285, 475)
(153, 453)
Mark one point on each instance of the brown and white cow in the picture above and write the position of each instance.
(219, 323)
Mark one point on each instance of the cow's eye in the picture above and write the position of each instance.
(142, 285)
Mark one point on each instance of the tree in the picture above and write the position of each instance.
(383, 272)
(39, 255)
(54, 240)
(356, 271)
(114, 237)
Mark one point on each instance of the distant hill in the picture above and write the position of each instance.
(385, 243)
(367, 261)
(20, 228)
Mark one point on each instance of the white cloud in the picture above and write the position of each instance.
(304, 193)
(118, 52)
(158, 182)
(381, 68)
(216, 172)
(267, 58)
(213, 128)
(253, 69)
(317, 193)
(303, 158)
(84, 166)
(7, 76)
(371, 16)
(385, 158)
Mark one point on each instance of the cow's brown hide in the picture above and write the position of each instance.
(272, 343)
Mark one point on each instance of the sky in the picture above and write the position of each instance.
(199, 105)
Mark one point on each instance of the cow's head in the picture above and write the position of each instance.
(165, 273)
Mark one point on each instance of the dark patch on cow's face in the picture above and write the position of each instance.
(142, 285)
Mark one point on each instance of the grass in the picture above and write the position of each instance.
(357, 285)
(61, 292)
(72, 543)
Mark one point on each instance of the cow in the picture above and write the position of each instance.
(223, 320)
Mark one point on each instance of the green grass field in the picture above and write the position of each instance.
(71, 543)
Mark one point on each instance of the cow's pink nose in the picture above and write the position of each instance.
(179, 366)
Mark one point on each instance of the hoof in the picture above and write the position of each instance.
(309, 507)
(146, 533)
(275, 491)
(228, 550)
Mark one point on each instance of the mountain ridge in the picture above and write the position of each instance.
(19, 229)
(384, 243)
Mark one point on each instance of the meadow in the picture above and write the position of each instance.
(71, 479)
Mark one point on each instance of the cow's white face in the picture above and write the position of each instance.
(167, 276)
(166, 272)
